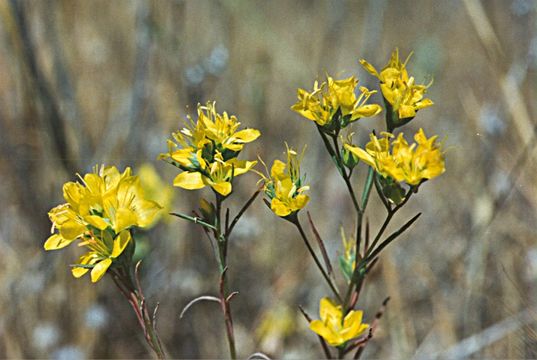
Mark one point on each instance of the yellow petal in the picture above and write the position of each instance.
(241, 166)
(96, 221)
(183, 156)
(366, 111)
(370, 68)
(71, 193)
(424, 103)
(223, 188)
(362, 154)
(389, 94)
(406, 111)
(120, 243)
(279, 208)
(94, 183)
(318, 327)
(247, 135)
(328, 309)
(189, 180)
(147, 211)
(278, 170)
(85, 259)
(56, 242)
(99, 269)
(125, 218)
(79, 271)
(353, 317)
(301, 201)
(71, 229)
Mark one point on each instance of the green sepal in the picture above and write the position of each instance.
(392, 190)
(346, 267)
(350, 160)
(207, 210)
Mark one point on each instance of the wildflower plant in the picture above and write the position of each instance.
(207, 152)
(104, 207)
(100, 213)
(395, 168)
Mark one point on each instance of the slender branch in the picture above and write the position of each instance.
(381, 195)
(242, 210)
(321, 340)
(367, 187)
(222, 242)
(321, 245)
(392, 237)
(316, 259)
(372, 329)
(346, 177)
(132, 291)
(150, 325)
(227, 315)
(386, 222)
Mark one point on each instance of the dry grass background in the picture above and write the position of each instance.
(86, 82)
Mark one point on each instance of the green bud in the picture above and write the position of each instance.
(392, 190)
(349, 159)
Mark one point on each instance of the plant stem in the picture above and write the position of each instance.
(316, 259)
(344, 174)
(222, 242)
(133, 293)
(389, 216)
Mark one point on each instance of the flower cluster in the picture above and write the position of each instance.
(398, 89)
(400, 161)
(285, 187)
(207, 150)
(99, 212)
(333, 327)
(333, 104)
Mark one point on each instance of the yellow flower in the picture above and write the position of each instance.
(285, 187)
(335, 329)
(403, 163)
(207, 151)
(100, 212)
(219, 174)
(335, 97)
(398, 89)
(222, 129)
(104, 249)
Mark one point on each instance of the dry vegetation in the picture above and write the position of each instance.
(86, 82)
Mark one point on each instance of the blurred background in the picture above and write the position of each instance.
(91, 82)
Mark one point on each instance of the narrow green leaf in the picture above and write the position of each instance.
(367, 187)
(195, 220)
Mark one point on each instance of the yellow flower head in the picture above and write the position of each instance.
(218, 174)
(334, 103)
(99, 212)
(285, 186)
(335, 329)
(398, 89)
(400, 161)
(207, 149)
